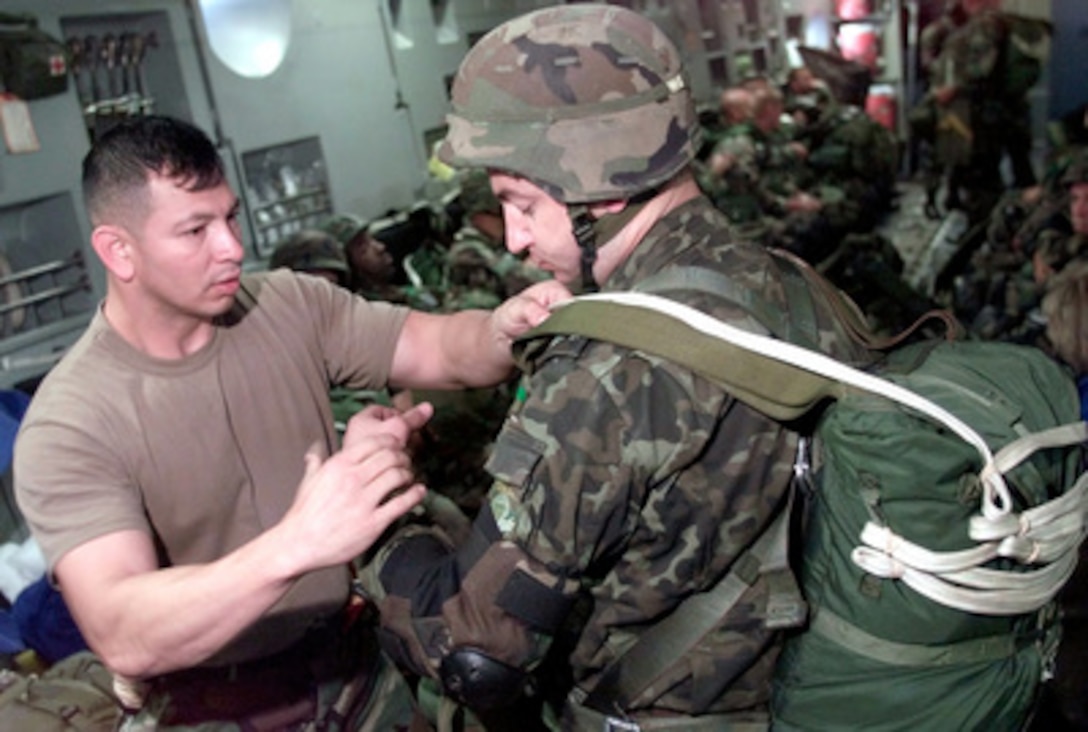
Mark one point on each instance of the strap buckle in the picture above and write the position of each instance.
(612, 724)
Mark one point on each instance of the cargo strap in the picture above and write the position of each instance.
(784, 381)
(974, 650)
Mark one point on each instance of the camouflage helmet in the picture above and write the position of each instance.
(588, 101)
(345, 227)
(310, 250)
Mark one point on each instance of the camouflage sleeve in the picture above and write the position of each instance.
(745, 176)
(740, 149)
(572, 469)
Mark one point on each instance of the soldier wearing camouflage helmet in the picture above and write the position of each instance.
(314, 252)
(623, 483)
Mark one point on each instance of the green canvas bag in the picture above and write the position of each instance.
(33, 64)
(75, 695)
(948, 505)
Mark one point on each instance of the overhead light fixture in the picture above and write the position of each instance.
(250, 37)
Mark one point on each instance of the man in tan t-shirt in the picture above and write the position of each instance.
(180, 467)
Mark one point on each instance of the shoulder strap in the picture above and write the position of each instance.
(779, 390)
(659, 648)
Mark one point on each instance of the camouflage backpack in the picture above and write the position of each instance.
(945, 499)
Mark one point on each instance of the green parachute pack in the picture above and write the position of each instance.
(944, 503)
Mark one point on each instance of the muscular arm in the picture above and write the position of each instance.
(145, 621)
(469, 348)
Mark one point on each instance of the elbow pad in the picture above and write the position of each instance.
(474, 679)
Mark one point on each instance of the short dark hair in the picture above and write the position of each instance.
(120, 161)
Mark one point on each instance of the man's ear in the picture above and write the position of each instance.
(113, 245)
(603, 208)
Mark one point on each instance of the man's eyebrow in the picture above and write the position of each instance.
(203, 217)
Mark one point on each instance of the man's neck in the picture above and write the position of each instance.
(674, 194)
(168, 338)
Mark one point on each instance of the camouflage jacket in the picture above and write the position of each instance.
(761, 176)
(623, 484)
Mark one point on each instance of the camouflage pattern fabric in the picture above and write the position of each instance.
(345, 227)
(634, 128)
(754, 193)
(480, 274)
(1010, 309)
(762, 175)
(622, 484)
(861, 157)
(311, 251)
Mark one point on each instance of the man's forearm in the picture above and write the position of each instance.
(477, 353)
(178, 617)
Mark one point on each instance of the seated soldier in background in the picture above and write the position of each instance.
(1065, 308)
(1023, 214)
(314, 252)
(855, 162)
(1007, 285)
(372, 269)
(803, 89)
(757, 174)
(737, 105)
(767, 188)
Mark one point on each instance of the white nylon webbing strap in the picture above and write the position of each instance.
(996, 497)
(1048, 534)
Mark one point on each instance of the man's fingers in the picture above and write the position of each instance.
(418, 415)
(399, 503)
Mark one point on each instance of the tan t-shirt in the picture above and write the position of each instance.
(206, 452)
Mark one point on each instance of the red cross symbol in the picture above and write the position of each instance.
(57, 65)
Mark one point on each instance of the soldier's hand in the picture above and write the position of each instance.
(378, 419)
(527, 309)
(345, 502)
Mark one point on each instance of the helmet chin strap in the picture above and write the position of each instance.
(589, 230)
(585, 233)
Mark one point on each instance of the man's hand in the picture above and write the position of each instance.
(377, 419)
(526, 310)
(347, 501)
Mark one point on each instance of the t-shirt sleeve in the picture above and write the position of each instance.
(357, 337)
(71, 487)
